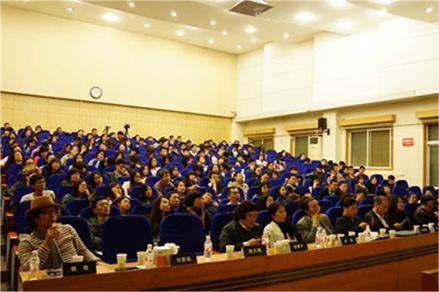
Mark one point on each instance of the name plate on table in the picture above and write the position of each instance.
(297, 246)
(79, 268)
(255, 250)
(346, 240)
(183, 259)
(424, 229)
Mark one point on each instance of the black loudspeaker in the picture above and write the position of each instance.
(322, 124)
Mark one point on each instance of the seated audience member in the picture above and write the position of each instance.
(343, 189)
(194, 205)
(153, 166)
(164, 182)
(79, 191)
(215, 183)
(318, 173)
(233, 196)
(361, 171)
(160, 208)
(135, 180)
(376, 217)
(291, 183)
(391, 181)
(349, 173)
(424, 214)
(330, 190)
(242, 230)
(145, 194)
(307, 225)
(372, 185)
(99, 161)
(53, 167)
(180, 187)
(96, 180)
(282, 193)
(412, 198)
(120, 171)
(360, 195)
(100, 207)
(280, 227)
(174, 200)
(360, 185)
(115, 191)
(349, 221)
(265, 202)
(238, 182)
(209, 204)
(396, 216)
(55, 245)
(73, 177)
(38, 183)
(123, 204)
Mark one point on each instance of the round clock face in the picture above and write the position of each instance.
(96, 92)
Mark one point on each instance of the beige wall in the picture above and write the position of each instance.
(51, 56)
(22, 110)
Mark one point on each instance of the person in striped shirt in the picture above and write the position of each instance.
(56, 244)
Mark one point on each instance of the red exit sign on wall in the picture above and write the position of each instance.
(408, 142)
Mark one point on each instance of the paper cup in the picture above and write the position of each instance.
(416, 228)
(141, 255)
(351, 233)
(392, 233)
(382, 232)
(230, 249)
(121, 260)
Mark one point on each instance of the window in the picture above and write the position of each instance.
(300, 145)
(267, 142)
(432, 155)
(371, 148)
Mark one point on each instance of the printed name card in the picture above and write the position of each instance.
(297, 246)
(79, 268)
(183, 259)
(346, 240)
(255, 250)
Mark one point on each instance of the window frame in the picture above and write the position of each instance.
(293, 143)
(368, 131)
(262, 138)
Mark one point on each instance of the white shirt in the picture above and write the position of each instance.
(383, 221)
(30, 197)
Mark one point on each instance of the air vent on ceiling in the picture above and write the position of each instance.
(251, 7)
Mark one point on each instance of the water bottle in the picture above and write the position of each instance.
(367, 233)
(154, 254)
(319, 237)
(34, 265)
(149, 257)
(207, 249)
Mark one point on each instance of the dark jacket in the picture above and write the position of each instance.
(398, 217)
(325, 192)
(422, 217)
(234, 233)
(345, 224)
(374, 222)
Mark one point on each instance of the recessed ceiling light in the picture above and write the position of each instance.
(224, 32)
(286, 36)
(212, 22)
(344, 24)
(253, 40)
(382, 12)
(146, 25)
(110, 17)
(429, 9)
(305, 16)
(180, 33)
(338, 3)
(70, 9)
(384, 2)
(250, 29)
(131, 4)
(210, 41)
(173, 14)
(238, 47)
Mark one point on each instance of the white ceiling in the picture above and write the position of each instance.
(194, 18)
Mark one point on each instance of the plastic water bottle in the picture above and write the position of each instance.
(149, 257)
(34, 265)
(367, 233)
(320, 237)
(207, 249)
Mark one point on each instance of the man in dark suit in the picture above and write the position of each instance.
(424, 214)
(375, 217)
(330, 190)
(242, 231)
(349, 221)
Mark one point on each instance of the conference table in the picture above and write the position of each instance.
(388, 264)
